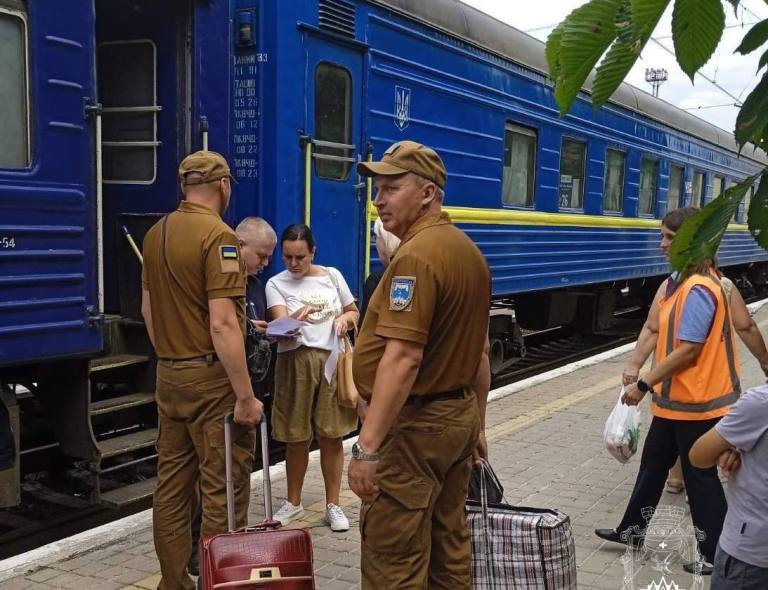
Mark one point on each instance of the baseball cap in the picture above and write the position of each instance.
(407, 156)
(209, 165)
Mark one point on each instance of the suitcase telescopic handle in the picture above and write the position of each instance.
(229, 420)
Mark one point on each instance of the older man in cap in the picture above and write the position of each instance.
(420, 362)
(193, 294)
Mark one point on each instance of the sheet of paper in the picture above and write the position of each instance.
(282, 327)
(332, 360)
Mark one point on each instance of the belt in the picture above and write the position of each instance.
(206, 359)
(428, 398)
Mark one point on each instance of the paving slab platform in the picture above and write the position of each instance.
(546, 445)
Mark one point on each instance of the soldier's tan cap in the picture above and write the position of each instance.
(407, 156)
(209, 165)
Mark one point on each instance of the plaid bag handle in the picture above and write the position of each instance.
(487, 544)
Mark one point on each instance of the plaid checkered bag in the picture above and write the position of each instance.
(516, 548)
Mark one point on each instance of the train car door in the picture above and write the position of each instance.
(48, 283)
(143, 88)
(334, 107)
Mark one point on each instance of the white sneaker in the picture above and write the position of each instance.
(288, 512)
(336, 518)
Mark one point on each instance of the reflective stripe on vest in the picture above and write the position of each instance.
(662, 400)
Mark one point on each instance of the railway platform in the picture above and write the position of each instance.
(546, 445)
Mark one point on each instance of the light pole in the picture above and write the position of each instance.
(656, 77)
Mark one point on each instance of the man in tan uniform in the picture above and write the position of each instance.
(193, 292)
(417, 360)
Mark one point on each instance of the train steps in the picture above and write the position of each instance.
(123, 415)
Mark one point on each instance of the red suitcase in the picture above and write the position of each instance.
(259, 556)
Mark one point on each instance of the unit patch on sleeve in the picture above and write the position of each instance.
(229, 256)
(401, 292)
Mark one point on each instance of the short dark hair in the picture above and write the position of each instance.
(675, 218)
(296, 232)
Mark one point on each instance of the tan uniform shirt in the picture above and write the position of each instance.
(435, 292)
(199, 261)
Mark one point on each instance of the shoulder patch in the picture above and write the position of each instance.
(229, 252)
(401, 292)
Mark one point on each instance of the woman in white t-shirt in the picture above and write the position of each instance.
(305, 403)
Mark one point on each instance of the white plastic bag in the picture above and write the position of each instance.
(622, 430)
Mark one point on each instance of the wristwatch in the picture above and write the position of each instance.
(643, 387)
(359, 454)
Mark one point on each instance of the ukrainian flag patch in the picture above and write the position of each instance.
(229, 252)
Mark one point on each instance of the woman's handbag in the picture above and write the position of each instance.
(518, 548)
(346, 391)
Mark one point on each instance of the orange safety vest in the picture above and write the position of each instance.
(707, 388)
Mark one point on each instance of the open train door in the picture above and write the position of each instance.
(335, 195)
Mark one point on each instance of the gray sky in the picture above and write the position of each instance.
(735, 73)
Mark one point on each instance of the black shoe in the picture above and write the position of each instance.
(193, 565)
(613, 536)
(706, 567)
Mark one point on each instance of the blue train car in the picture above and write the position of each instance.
(100, 99)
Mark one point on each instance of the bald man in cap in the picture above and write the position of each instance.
(193, 303)
(421, 363)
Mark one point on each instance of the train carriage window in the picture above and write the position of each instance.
(14, 87)
(697, 193)
(127, 73)
(676, 174)
(613, 192)
(649, 178)
(572, 159)
(519, 166)
(333, 121)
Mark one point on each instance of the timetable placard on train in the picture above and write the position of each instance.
(245, 97)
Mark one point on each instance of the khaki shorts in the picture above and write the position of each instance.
(305, 403)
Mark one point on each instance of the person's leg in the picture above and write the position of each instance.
(296, 462)
(705, 492)
(175, 492)
(675, 483)
(332, 465)
(659, 454)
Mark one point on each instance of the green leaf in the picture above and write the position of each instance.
(757, 216)
(756, 36)
(552, 51)
(752, 119)
(699, 237)
(585, 35)
(644, 15)
(763, 61)
(697, 26)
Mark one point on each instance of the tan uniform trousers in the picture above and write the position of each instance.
(414, 532)
(192, 400)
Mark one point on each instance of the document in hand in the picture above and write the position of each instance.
(283, 327)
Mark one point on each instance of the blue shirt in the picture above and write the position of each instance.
(745, 426)
(698, 312)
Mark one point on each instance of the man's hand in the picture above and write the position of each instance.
(729, 462)
(629, 375)
(248, 412)
(260, 325)
(360, 476)
(632, 395)
(481, 450)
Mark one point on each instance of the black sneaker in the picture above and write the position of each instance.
(706, 567)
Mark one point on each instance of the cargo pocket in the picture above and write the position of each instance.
(395, 521)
